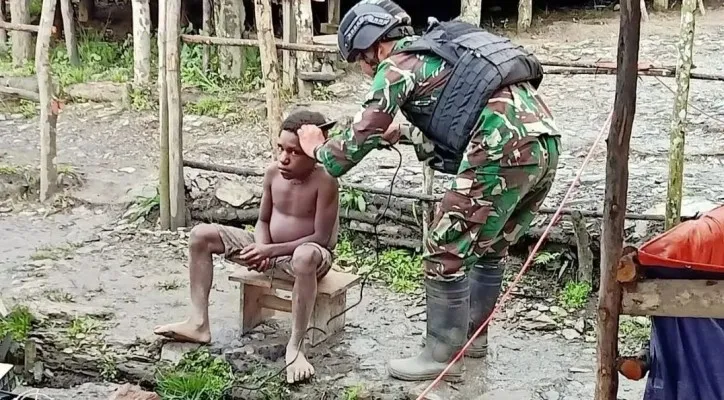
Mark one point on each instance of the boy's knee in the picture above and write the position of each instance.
(306, 259)
(203, 236)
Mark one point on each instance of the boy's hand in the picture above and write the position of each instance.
(256, 254)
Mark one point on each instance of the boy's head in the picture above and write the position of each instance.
(293, 163)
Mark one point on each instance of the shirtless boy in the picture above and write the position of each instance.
(296, 229)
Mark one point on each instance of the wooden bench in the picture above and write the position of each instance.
(259, 300)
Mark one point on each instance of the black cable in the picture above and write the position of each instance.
(365, 278)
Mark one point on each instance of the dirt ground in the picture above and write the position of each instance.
(137, 278)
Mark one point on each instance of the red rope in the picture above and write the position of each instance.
(527, 263)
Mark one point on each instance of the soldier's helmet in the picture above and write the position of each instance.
(368, 22)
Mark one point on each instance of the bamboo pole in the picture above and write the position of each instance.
(20, 39)
(678, 122)
(269, 68)
(177, 197)
(141, 42)
(48, 105)
(71, 44)
(289, 61)
(254, 43)
(609, 296)
(207, 29)
(305, 35)
(525, 15)
(163, 179)
(3, 32)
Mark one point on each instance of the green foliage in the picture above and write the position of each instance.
(143, 207)
(545, 259)
(199, 376)
(352, 392)
(352, 199)
(633, 332)
(575, 294)
(211, 106)
(17, 323)
(193, 75)
(141, 98)
(321, 92)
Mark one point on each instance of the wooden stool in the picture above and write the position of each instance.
(259, 302)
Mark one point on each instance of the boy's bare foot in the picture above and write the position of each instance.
(300, 369)
(185, 332)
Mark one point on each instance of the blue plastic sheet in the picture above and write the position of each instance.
(687, 354)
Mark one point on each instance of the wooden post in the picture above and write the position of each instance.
(48, 104)
(141, 42)
(207, 29)
(71, 44)
(269, 67)
(428, 179)
(333, 11)
(661, 5)
(305, 35)
(702, 7)
(230, 18)
(677, 135)
(583, 244)
(86, 9)
(525, 15)
(177, 198)
(614, 209)
(470, 11)
(3, 32)
(22, 42)
(289, 59)
(644, 13)
(163, 179)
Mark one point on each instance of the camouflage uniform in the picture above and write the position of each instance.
(502, 181)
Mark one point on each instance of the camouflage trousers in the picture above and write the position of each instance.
(503, 179)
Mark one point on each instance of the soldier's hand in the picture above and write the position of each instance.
(392, 134)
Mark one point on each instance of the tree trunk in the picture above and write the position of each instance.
(230, 18)
(175, 116)
(71, 43)
(609, 296)
(163, 185)
(208, 30)
(3, 32)
(470, 11)
(141, 42)
(48, 105)
(289, 59)
(661, 5)
(525, 15)
(678, 122)
(22, 42)
(269, 67)
(305, 35)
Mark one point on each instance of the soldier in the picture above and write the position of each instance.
(471, 99)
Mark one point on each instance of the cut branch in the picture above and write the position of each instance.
(253, 43)
(628, 268)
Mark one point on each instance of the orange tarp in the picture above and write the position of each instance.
(696, 244)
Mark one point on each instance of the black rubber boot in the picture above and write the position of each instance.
(448, 314)
(486, 279)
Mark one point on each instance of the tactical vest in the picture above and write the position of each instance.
(481, 64)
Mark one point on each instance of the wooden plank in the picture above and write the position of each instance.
(674, 298)
(251, 312)
(325, 308)
(332, 284)
(273, 302)
(615, 199)
(270, 69)
(49, 107)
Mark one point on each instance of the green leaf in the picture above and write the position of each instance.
(361, 204)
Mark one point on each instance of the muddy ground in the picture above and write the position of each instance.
(83, 262)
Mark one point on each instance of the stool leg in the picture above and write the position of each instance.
(251, 312)
(325, 308)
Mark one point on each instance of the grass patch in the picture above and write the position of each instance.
(17, 323)
(9, 170)
(169, 285)
(210, 106)
(352, 392)
(81, 327)
(141, 98)
(59, 296)
(54, 253)
(575, 295)
(143, 207)
(199, 375)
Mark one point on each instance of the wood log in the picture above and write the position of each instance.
(305, 35)
(661, 5)
(3, 32)
(22, 93)
(678, 121)
(141, 42)
(289, 35)
(163, 178)
(49, 106)
(636, 367)
(269, 68)
(525, 15)
(674, 298)
(254, 43)
(177, 209)
(71, 42)
(609, 303)
(207, 29)
(628, 269)
(20, 38)
(470, 11)
(230, 25)
(585, 254)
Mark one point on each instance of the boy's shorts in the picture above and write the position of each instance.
(236, 239)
